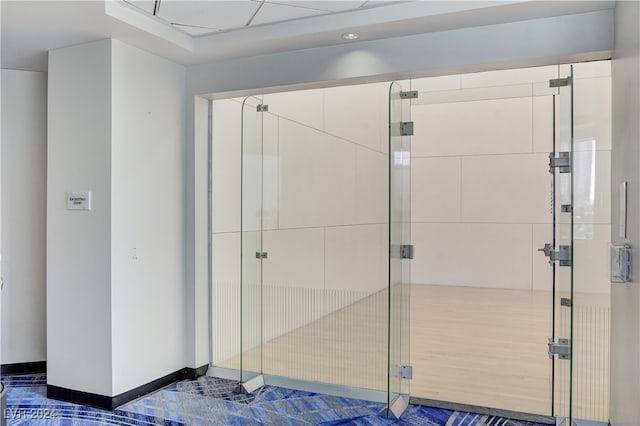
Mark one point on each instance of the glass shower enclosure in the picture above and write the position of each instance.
(318, 265)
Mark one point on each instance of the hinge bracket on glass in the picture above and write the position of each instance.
(406, 128)
(262, 108)
(562, 255)
(566, 208)
(404, 251)
(409, 95)
(562, 348)
(261, 255)
(406, 372)
(565, 301)
(562, 162)
(560, 82)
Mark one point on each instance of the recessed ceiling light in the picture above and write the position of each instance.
(350, 36)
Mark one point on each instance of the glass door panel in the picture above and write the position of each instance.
(252, 252)
(564, 237)
(400, 130)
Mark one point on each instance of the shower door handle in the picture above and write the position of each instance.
(546, 250)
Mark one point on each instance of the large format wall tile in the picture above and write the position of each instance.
(295, 258)
(271, 172)
(474, 255)
(506, 188)
(469, 128)
(542, 271)
(226, 166)
(592, 111)
(509, 77)
(592, 186)
(356, 257)
(475, 94)
(356, 113)
(317, 178)
(372, 186)
(591, 259)
(543, 124)
(306, 107)
(225, 267)
(435, 189)
(436, 84)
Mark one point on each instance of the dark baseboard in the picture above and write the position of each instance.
(194, 373)
(24, 368)
(112, 402)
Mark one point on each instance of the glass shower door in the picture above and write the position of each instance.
(562, 257)
(252, 253)
(401, 252)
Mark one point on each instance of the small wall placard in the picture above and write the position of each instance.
(78, 200)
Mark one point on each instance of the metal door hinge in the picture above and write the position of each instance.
(409, 95)
(562, 348)
(262, 108)
(406, 372)
(562, 255)
(565, 301)
(560, 82)
(406, 128)
(562, 162)
(404, 251)
(261, 255)
(566, 208)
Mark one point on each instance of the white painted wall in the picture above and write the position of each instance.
(147, 219)
(625, 298)
(79, 301)
(24, 155)
(115, 277)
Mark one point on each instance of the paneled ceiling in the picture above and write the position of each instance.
(204, 17)
(196, 32)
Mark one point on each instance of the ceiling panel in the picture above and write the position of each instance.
(146, 5)
(216, 15)
(271, 12)
(194, 31)
(328, 5)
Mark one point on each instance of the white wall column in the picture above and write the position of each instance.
(115, 273)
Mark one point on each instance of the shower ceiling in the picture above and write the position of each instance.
(203, 17)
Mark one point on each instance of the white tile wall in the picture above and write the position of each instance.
(317, 178)
(296, 258)
(436, 84)
(496, 126)
(542, 272)
(357, 113)
(271, 172)
(475, 94)
(592, 187)
(435, 189)
(356, 257)
(372, 186)
(592, 111)
(543, 124)
(226, 257)
(509, 77)
(506, 189)
(474, 255)
(306, 107)
(226, 173)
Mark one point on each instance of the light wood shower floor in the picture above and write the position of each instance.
(475, 346)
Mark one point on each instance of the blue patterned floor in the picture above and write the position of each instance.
(211, 401)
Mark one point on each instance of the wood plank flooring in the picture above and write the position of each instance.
(475, 346)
